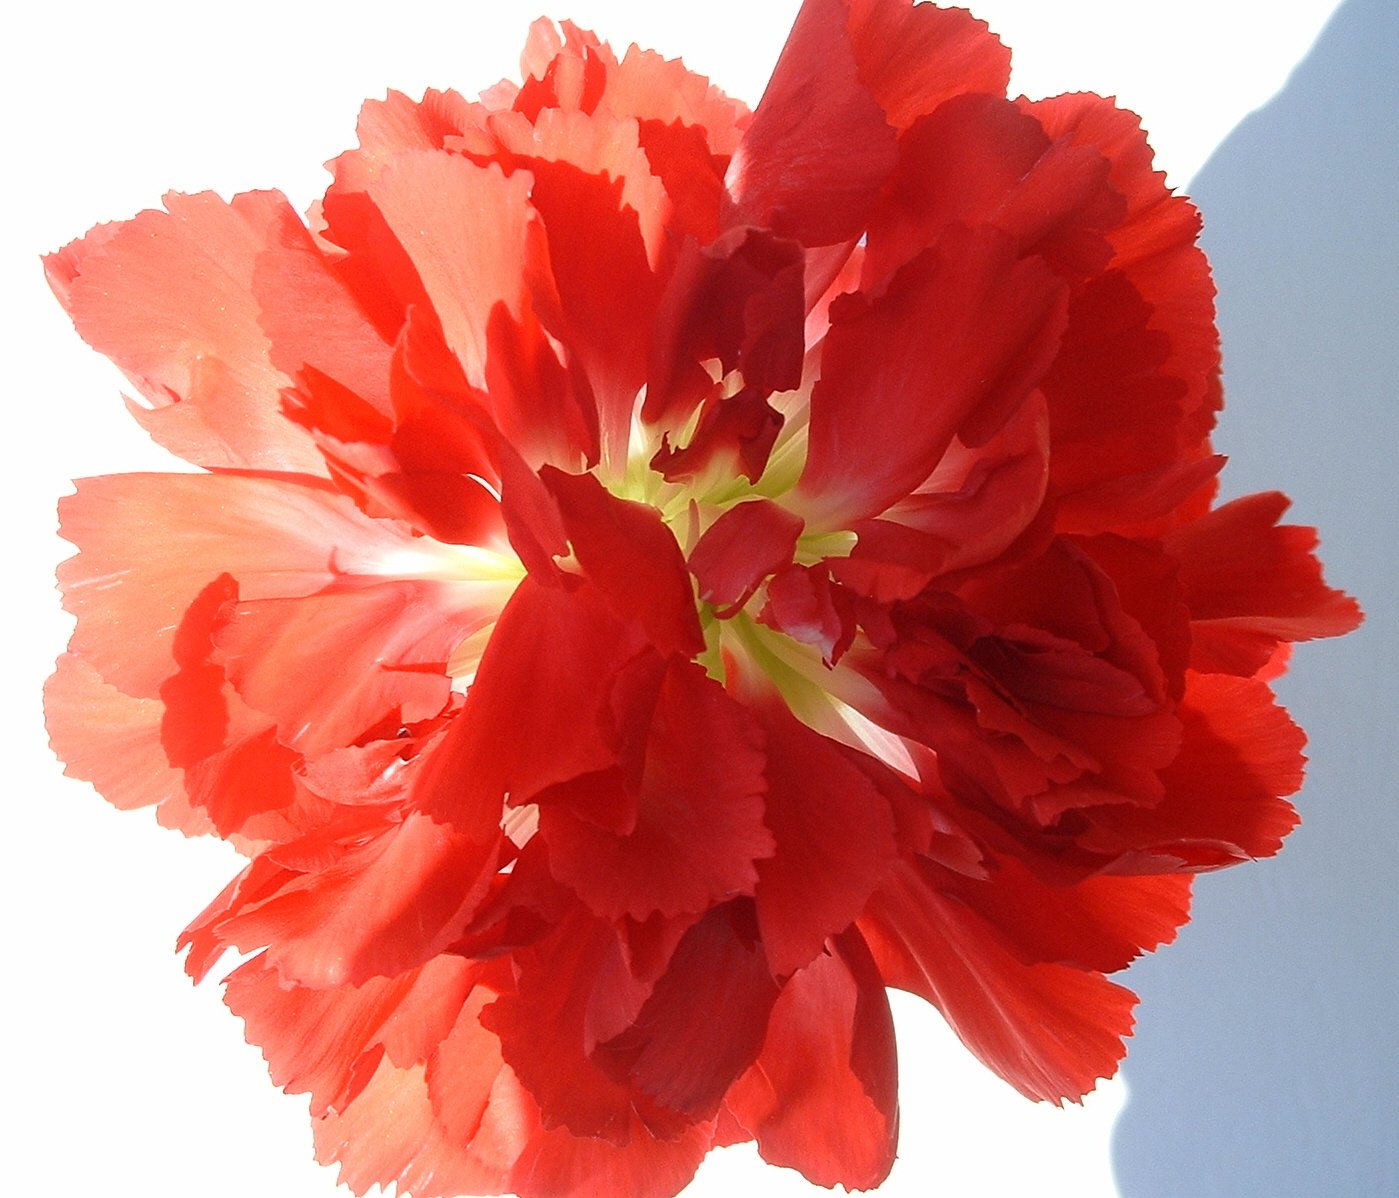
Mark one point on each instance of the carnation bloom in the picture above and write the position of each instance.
(662, 574)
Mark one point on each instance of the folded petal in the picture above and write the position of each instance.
(382, 908)
(632, 558)
(330, 667)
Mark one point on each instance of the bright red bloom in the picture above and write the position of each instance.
(663, 574)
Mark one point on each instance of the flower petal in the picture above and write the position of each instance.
(1250, 583)
(698, 825)
(822, 1096)
(1049, 1030)
(819, 148)
(959, 339)
(149, 543)
(834, 834)
(383, 908)
(169, 298)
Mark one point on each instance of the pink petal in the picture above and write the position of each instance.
(149, 543)
(169, 297)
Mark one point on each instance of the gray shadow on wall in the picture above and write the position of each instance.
(1267, 1049)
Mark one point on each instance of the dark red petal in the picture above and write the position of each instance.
(1250, 582)
(572, 992)
(955, 344)
(747, 543)
(1049, 1030)
(169, 298)
(806, 604)
(819, 148)
(632, 558)
(385, 907)
(739, 300)
(834, 834)
(698, 812)
(822, 1096)
(688, 1064)
(734, 437)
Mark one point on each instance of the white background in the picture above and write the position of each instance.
(124, 1080)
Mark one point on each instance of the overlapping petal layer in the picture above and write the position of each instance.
(661, 574)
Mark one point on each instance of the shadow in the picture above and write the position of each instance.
(1268, 1046)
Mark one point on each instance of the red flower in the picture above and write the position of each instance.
(663, 574)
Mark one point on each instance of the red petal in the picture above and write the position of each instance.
(739, 300)
(507, 742)
(685, 1063)
(572, 991)
(747, 543)
(385, 907)
(1250, 583)
(818, 150)
(330, 667)
(556, 1164)
(978, 159)
(1100, 923)
(699, 812)
(1144, 352)
(913, 57)
(822, 1096)
(834, 834)
(1049, 1030)
(607, 293)
(804, 603)
(957, 342)
(169, 298)
(327, 1042)
(632, 557)
(1240, 752)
